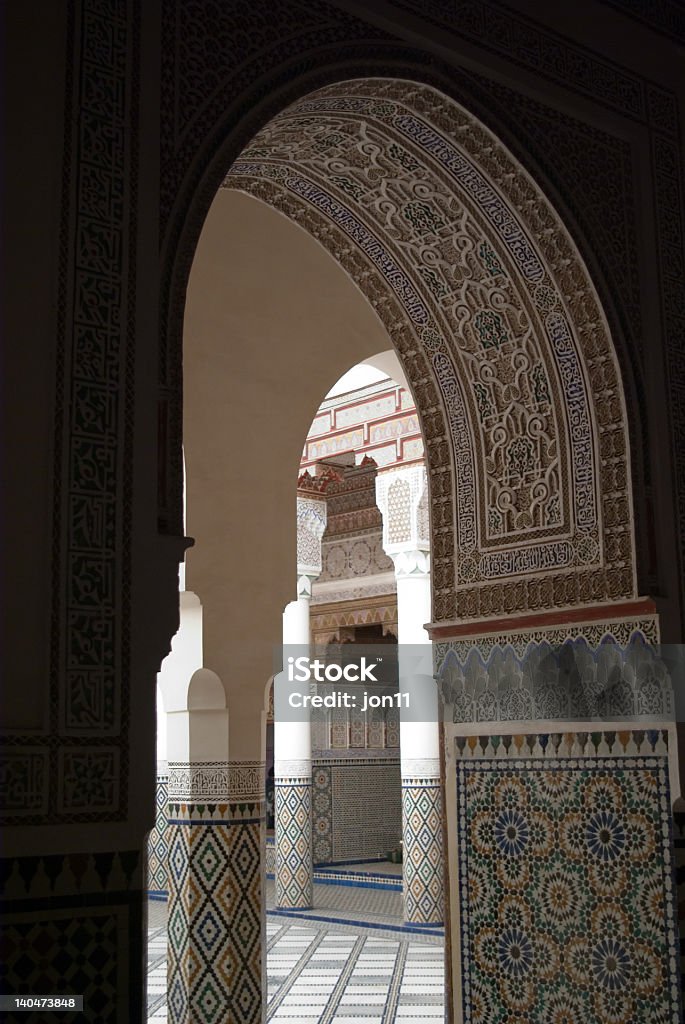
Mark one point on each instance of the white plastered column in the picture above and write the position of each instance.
(402, 496)
(292, 739)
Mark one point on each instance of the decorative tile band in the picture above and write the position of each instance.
(629, 742)
(57, 875)
(227, 780)
(566, 888)
(424, 767)
(299, 771)
(422, 862)
(322, 813)
(227, 813)
(294, 869)
(421, 782)
(360, 757)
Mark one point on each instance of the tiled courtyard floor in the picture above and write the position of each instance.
(327, 972)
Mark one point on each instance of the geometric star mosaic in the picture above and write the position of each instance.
(566, 890)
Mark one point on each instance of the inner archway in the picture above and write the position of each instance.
(363, 577)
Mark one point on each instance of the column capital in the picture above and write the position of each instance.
(311, 524)
(411, 563)
(402, 497)
(304, 585)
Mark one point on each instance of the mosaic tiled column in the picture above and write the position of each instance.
(292, 739)
(402, 497)
(216, 895)
(293, 807)
(422, 848)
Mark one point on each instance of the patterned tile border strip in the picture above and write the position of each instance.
(324, 877)
(216, 780)
(340, 866)
(351, 881)
(225, 813)
(609, 743)
(79, 875)
(325, 758)
(417, 929)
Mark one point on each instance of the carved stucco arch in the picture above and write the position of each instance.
(497, 325)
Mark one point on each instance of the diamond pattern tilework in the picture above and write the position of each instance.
(422, 851)
(270, 856)
(157, 846)
(293, 844)
(566, 890)
(215, 927)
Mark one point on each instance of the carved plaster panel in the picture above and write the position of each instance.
(497, 324)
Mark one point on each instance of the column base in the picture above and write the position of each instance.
(217, 931)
